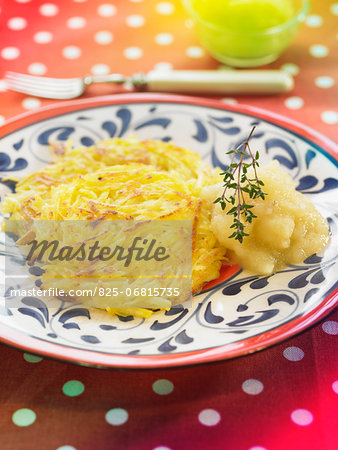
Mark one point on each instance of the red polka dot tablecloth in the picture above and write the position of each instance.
(282, 398)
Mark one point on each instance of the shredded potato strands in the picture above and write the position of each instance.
(125, 179)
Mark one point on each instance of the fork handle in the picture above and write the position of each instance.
(214, 81)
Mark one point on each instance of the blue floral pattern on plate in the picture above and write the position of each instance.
(241, 307)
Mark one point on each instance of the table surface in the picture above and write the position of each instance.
(281, 398)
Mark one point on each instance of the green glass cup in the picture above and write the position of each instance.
(246, 33)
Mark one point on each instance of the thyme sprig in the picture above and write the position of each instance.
(236, 177)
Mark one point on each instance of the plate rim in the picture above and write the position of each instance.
(241, 348)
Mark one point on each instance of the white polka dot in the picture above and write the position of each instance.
(331, 118)
(31, 103)
(42, 37)
(163, 66)
(229, 100)
(117, 416)
(335, 386)
(2, 120)
(334, 9)
(133, 52)
(79, 1)
(252, 386)
(164, 38)
(66, 447)
(76, 22)
(330, 326)
(106, 10)
(100, 69)
(17, 23)
(165, 8)
(293, 353)
(302, 417)
(319, 51)
(3, 86)
(48, 9)
(37, 69)
(194, 52)
(163, 387)
(314, 20)
(257, 447)
(290, 68)
(161, 447)
(135, 21)
(136, 1)
(103, 37)
(324, 82)
(209, 417)
(71, 52)
(294, 102)
(22, 1)
(10, 52)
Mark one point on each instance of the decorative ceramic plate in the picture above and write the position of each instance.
(240, 312)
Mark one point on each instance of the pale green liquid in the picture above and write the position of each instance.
(240, 30)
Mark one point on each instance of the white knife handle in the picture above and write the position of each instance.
(216, 81)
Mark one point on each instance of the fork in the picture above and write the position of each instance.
(178, 81)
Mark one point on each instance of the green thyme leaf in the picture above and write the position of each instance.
(240, 184)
